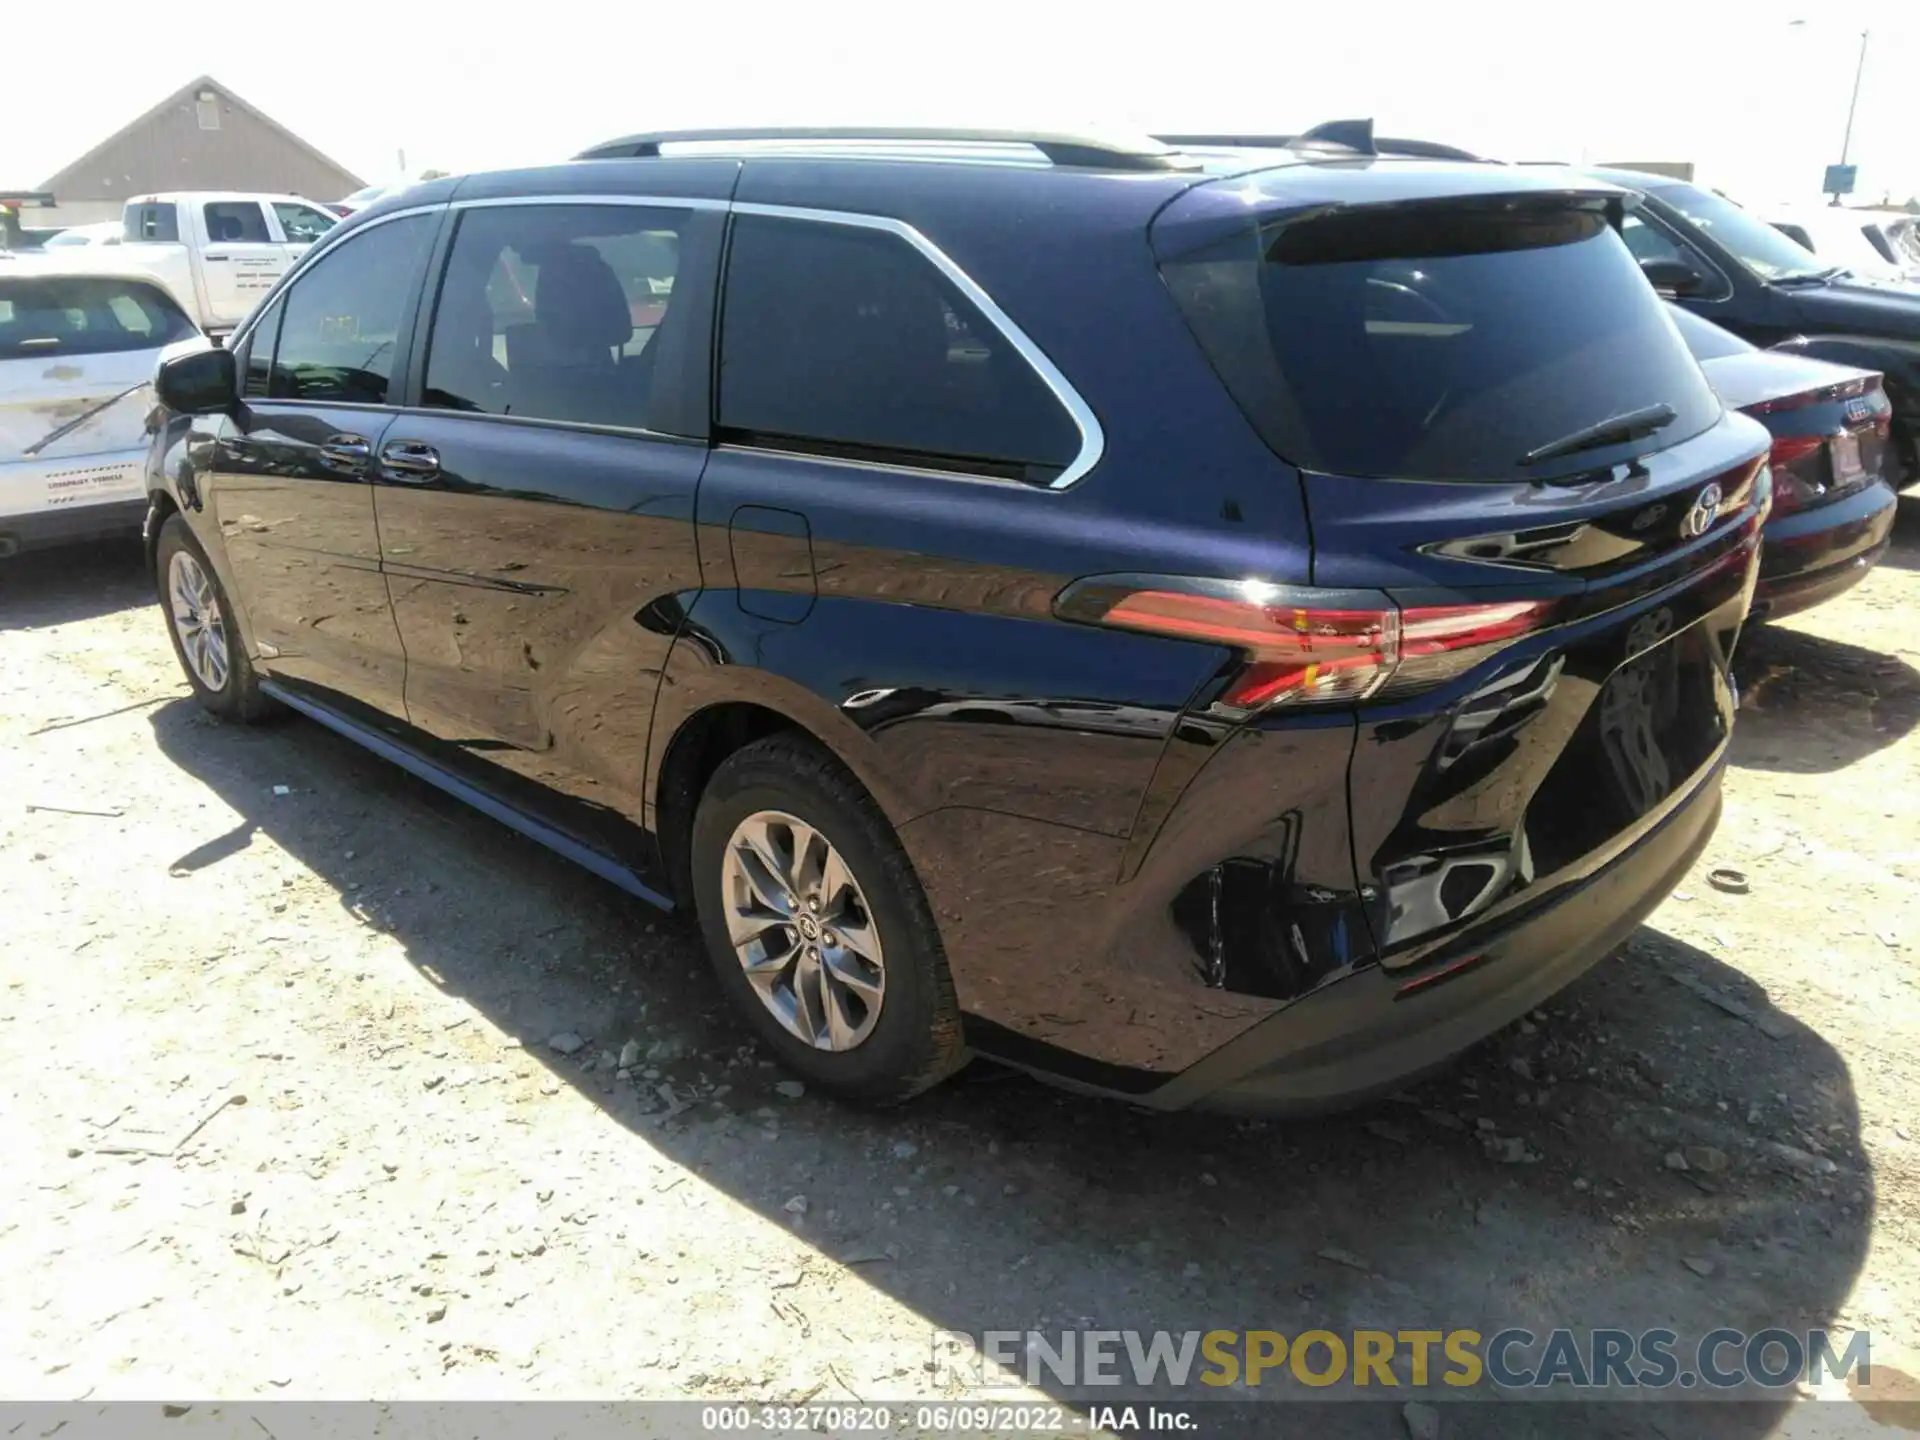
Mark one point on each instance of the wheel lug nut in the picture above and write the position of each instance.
(813, 902)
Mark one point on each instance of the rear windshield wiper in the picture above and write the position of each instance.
(1634, 425)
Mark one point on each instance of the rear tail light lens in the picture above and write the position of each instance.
(1791, 448)
(1301, 647)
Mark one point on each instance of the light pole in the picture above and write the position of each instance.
(1853, 102)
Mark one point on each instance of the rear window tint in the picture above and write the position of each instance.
(85, 315)
(1437, 342)
(846, 340)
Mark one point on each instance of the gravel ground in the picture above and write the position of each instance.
(276, 1052)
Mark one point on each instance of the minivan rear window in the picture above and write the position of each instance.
(85, 315)
(1437, 341)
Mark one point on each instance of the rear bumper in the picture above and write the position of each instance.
(67, 525)
(1376, 1029)
(54, 501)
(1812, 556)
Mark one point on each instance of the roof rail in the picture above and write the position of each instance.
(1080, 152)
(1337, 136)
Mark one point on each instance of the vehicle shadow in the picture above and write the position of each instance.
(1529, 1185)
(74, 582)
(1810, 705)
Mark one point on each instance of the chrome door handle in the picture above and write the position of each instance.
(346, 452)
(410, 460)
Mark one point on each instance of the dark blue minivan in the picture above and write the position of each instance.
(1226, 629)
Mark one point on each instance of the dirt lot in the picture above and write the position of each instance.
(419, 1197)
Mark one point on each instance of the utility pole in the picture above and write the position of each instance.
(1846, 140)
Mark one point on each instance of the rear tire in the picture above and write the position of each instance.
(799, 878)
(200, 623)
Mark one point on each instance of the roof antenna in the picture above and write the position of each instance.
(1351, 137)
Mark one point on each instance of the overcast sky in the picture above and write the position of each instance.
(1758, 103)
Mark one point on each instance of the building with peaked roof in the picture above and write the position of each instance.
(201, 137)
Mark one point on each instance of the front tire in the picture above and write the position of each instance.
(817, 926)
(200, 624)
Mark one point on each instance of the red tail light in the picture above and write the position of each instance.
(1297, 651)
(1790, 448)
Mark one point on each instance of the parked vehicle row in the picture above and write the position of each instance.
(1222, 629)
(216, 253)
(1832, 509)
(1726, 265)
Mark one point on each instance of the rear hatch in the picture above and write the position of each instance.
(77, 356)
(1499, 432)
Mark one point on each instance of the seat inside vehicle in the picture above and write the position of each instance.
(562, 365)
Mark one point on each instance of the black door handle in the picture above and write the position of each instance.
(409, 460)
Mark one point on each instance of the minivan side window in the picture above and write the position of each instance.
(342, 318)
(237, 222)
(846, 340)
(554, 312)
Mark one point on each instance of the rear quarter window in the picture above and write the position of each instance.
(846, 340)
(1438, 340)
(85, 315)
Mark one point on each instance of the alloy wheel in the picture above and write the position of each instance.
(197, 621)
(802, 930)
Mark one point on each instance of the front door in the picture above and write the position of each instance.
(292, 485)
(536, 509)
(242, 261)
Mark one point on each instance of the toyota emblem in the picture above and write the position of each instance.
(1706, 508)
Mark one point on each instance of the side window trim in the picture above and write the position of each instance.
(1092, 437)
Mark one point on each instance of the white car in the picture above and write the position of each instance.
(77, 357)
(1870, 243)
(107, 232)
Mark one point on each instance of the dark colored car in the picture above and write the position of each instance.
(1729, 266)
(1832, 507)
(1230, 631)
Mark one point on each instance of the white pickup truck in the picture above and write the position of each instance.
(215, 252)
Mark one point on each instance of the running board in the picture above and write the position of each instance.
(418, 765)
